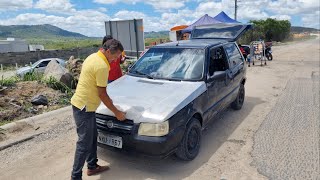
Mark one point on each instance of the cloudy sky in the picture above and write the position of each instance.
(87, 16)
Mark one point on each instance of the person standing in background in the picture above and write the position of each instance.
(115, 69)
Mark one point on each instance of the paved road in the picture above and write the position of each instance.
(287, 144)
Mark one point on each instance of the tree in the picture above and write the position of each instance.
(268, 30)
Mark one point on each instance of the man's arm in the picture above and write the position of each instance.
(108, 102)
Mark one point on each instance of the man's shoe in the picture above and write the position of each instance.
(97, 170)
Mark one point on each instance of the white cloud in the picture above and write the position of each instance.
(311, 20)
(58, 6)
(163, 23)
(159, 5)
(182, 17)
(91, 22)
(281, 17)
(116, 1)
(149, 23)
(102, 9)
(294, 7)
(165, 5)
(129, 15)
(87, 22)
(6, 5)
(212, 8)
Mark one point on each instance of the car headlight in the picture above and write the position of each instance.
(154, 129)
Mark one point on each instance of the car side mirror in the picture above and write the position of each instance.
(218, 75)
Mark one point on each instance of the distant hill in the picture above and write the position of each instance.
(298, 29)
(45, 31)
(160, 34)
(165, 34)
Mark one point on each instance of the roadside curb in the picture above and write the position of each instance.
(5, 145)
(31, 121)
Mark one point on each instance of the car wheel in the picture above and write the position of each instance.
(238, 102)
(190, 144)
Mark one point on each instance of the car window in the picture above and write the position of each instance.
(234, 55)
(44, 63)
(218, 60)
(171, 63)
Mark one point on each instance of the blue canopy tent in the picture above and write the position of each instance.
(204, 20)
(224, 18)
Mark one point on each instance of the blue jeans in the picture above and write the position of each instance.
(86, 149)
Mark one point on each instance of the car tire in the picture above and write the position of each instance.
(238, 102)
(190, 144)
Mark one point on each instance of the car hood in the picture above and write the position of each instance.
(149, 100)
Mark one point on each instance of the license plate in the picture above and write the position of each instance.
(110, 140)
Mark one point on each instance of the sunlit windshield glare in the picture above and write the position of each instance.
(171, 63)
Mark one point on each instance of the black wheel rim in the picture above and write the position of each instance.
(193, 140)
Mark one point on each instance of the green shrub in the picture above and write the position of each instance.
(8, 81)
(57, 85)
(33, 76)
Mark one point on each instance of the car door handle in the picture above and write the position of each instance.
(229, 74)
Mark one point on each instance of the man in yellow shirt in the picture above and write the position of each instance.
(91, 90)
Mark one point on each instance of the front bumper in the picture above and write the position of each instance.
(134, 143)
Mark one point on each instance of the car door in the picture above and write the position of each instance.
(218, 80)
(237, 67)
(41, 67)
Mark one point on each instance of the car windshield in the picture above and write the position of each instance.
(35, 64)
(171, 64)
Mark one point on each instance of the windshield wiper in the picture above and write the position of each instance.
(174, 79)
(144, 74)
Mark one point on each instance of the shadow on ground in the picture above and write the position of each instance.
(125, 166)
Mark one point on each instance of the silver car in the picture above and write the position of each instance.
(39, 66)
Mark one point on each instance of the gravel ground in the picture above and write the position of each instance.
(295, 119)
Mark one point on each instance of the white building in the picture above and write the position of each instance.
(13, 45)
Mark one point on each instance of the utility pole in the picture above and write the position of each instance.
(235, 9)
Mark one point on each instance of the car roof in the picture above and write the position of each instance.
(193, 43)
(46, 59)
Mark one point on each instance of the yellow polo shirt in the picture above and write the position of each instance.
(94, 73)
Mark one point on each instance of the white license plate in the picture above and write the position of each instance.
(110, 140)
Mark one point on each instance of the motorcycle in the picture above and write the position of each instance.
(268, 51)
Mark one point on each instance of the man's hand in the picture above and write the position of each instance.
(121, 116)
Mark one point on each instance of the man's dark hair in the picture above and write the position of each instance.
(106, 38)
(113, 45)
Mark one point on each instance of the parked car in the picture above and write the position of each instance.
(39, 66)
(172, 93)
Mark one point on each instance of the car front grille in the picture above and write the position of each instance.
(111, 124)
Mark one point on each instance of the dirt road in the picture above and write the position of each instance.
(276, 134)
